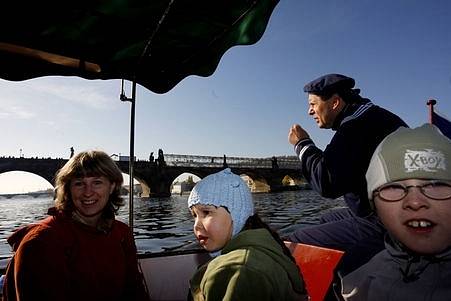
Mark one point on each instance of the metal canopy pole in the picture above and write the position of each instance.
(131, 159)
(431, 103)
(145, 53)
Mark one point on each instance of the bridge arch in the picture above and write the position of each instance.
(45, 168)
(288, 180)
(139, 186)
(18, 182)
(255, 182)
(184, 183)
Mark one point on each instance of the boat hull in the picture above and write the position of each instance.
(167, 274)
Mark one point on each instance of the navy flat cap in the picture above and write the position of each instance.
(329, 83)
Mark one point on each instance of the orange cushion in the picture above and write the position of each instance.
(317, 266)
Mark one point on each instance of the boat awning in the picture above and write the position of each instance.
(156, 43)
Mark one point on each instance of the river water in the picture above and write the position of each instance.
(165, 224)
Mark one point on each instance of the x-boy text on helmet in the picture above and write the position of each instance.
(427, 160)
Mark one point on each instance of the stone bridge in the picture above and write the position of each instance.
(156, 177)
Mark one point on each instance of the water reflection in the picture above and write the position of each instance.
(163, 224)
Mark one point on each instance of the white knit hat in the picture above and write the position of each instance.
(228, 190)
(419, 153)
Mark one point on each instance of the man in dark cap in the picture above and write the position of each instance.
(340, 169)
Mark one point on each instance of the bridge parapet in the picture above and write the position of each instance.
(286, 162)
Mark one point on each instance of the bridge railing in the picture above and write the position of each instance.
(288, 162)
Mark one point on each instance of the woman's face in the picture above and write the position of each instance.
(212, 226)
(420, 223)
(90, 196)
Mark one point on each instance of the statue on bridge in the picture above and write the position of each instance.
(71, 152)
(274, 163)
(224, 163)
(160, 159)
(151, 158)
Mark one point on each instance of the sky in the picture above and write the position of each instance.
(399, 53)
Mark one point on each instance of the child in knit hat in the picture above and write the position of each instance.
(409, 182)
(250, 262)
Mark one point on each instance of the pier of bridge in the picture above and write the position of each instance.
(157, 177)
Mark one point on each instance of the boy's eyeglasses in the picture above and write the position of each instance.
(393, 192)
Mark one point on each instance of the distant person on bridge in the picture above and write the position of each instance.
(250, 261)
(79, 252)
(339, 170)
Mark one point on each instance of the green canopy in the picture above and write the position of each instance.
(155, 43)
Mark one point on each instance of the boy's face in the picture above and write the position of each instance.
(420, 223)
(212, 226)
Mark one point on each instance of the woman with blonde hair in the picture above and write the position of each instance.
(79, 252)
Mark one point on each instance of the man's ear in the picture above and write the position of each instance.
(337, 102)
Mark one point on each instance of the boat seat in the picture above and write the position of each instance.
(317, 266)
(167, 274)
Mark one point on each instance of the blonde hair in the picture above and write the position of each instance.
(85, 164)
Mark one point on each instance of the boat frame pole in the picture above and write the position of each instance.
(131, 159)
(145, 52)
(431, 103)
